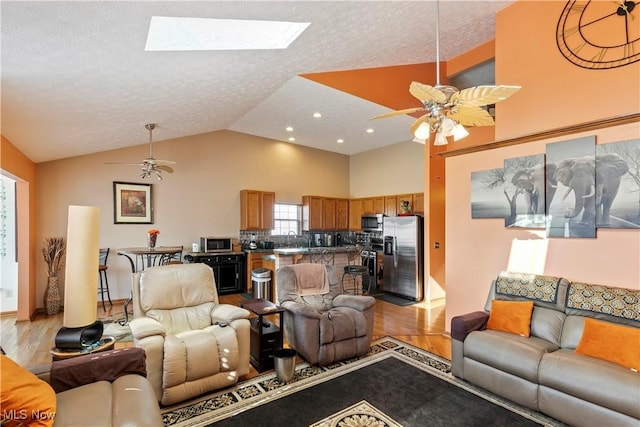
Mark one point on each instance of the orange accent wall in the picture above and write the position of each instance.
(388, 86)
(555, 92)
(19, 167)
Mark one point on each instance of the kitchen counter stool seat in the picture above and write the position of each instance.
(352, 271)
(102, 273)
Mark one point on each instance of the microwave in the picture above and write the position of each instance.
(216, 244)
(371, 223)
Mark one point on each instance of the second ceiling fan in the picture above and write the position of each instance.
(151, 166)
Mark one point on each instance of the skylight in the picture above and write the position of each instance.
(169, 33)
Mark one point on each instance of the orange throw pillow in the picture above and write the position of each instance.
(511, 316)
(25, 398)
(609, 341)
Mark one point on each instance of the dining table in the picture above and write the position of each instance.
(141, 258)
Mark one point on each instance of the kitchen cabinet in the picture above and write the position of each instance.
(355, 214)
(312, 213)
(342, 214)
(418, 203)
(228, 271)
(328, 214)
(368, 206)
(256, 209)
(378, 205)
(390, 205)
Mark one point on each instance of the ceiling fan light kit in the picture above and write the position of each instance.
(151, 166)
(446, 109)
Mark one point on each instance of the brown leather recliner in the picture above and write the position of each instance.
(177, 314)
(325, 325)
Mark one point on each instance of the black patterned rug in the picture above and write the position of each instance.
(395, 384)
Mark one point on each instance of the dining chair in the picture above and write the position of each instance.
(102, 273)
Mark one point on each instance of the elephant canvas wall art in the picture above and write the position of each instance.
(618, 185)
(527, 190)
(487, 198)
(572, 210)
(575, 189)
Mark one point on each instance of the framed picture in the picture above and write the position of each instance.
(132, 203)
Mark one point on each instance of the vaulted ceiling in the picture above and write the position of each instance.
(77, 80)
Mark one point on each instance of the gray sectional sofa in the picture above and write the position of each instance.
(543, 371)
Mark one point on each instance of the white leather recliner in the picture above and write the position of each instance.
(193, 344)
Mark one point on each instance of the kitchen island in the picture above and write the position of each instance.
(338, 256)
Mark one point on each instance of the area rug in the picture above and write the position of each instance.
(113, 328)
(395, 300)
(395, 384)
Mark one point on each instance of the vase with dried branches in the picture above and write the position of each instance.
(53, 252)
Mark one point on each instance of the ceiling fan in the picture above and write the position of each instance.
(151, 166)
(446, 109)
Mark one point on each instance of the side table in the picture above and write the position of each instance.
(105, 343)
(266, 337)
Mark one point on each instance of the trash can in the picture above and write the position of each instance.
(284, 361)
(261, 279)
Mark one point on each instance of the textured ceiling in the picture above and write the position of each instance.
(76, 78)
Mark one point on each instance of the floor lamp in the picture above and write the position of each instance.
(81, 330)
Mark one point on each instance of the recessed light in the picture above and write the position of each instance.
(370, 130)
(317, 115)
(289, 129)
(167, 33)
(340, 141)
(291, 139)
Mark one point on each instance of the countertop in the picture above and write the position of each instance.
(306, 250)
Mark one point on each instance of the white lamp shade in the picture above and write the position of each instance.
(81, 266)
(423, 131)
(447, 126)
(440, 139)
(459, 132)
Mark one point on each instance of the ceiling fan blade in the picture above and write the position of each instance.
(472, 116)
(416, 124)
(165, 162)
(164, 168)
(124, 163)
(427, 93)
(397, 113)
(485, 95)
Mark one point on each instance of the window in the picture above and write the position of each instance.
(287, 218)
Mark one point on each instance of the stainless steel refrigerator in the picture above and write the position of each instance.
(403, 267)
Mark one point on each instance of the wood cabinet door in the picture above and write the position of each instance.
(328, 214)
(312, 213)
(390, 205)
(250, 210)
(418, 203)
(342, 214)
(378, 205)
(367, 206)
(355, 214)
(268, 201)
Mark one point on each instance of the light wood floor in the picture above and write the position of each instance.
(421, 324)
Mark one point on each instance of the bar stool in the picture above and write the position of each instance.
(102, 273)
(353, 270)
